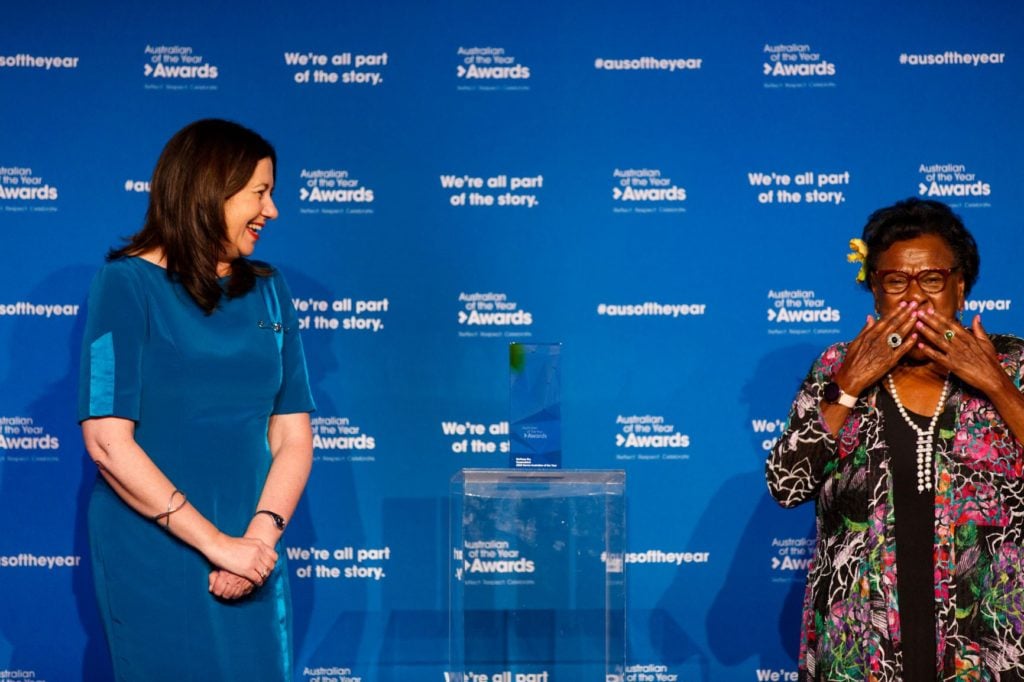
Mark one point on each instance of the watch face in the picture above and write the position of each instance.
(832, 391)
(277, 518)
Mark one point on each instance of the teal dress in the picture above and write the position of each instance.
(200, 389)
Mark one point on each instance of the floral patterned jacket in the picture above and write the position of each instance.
(851, 623)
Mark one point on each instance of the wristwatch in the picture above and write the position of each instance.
(278, 519)
(834, 394)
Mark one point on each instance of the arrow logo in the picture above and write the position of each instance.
(463, 317)
(771, 314)
(767, 68)
(303, 193)
(616, 193)
(461, 71)
(148, 69)
(775, 562)
(922, 188)
(619, 440)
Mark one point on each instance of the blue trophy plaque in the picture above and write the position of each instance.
(535, 405)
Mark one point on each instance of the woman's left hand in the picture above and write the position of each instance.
(227, 585)
(967, 353)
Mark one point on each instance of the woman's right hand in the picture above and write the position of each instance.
(249, 558)
(869, 357)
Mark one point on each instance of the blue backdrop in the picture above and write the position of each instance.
(666, 188)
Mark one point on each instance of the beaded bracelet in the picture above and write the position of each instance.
(166, 516)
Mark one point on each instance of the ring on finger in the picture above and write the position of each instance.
(894, 340)
(949, 334)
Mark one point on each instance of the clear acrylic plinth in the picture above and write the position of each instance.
(537, 583)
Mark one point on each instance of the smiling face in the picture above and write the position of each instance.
(926, 252)
(246, 213)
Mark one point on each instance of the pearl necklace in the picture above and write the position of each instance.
(924, 436)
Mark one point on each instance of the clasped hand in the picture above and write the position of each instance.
(243, 564)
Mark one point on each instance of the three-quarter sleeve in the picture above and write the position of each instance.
(110, 374)
(294, 394)
(798, 461)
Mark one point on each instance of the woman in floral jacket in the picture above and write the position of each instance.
(908, 439)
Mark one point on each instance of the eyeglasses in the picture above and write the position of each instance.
(930, 281)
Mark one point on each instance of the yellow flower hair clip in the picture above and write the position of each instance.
(859, 254)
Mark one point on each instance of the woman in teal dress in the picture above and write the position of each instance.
(194, 403)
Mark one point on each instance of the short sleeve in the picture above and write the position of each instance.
(294, 394)
(110, 375)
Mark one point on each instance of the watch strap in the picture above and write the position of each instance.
(846, 400)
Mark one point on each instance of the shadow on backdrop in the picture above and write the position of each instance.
(47, 491)
(756, 614)
(330, 623)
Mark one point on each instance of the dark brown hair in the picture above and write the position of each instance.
(204, 164)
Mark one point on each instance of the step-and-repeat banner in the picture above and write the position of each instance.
(665, 188)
